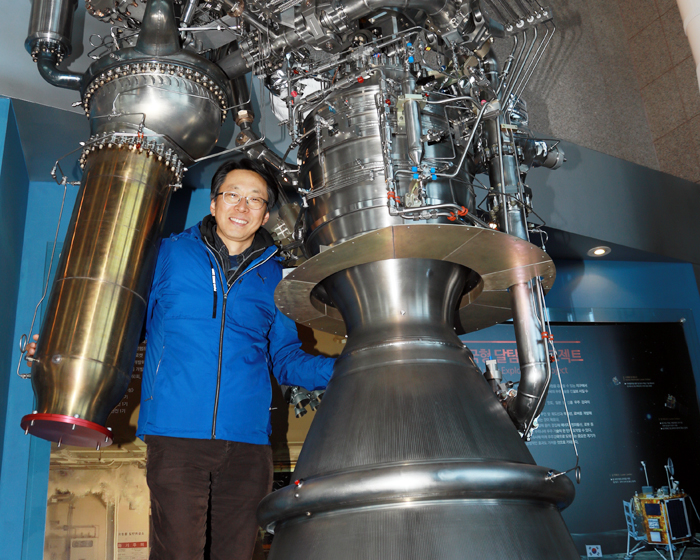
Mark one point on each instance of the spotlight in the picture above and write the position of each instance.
(599, 251)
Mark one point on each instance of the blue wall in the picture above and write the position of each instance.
(29, 214)
(25, 465)
(15, 450)
(624, 285)
(13, 208)
(628, 292)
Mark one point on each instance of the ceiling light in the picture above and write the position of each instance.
(600, 251)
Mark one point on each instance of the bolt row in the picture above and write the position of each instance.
(136, 144)
(48, 47)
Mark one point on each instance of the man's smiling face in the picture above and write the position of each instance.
(236, 224)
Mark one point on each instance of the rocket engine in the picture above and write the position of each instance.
(396, 106)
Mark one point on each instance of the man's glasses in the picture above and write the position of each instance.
(233, 198)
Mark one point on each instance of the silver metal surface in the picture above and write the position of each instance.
(159, 35)
(149, 102)
(444, 530)
(410, 433)
(343, 167)
(47, 64)
(415, 146)
(417, 482)
(533, 357)
(158, 89)
(499, 260)
(51, 26)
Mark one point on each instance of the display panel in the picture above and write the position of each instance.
(632, 397)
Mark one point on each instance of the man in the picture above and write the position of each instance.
(214, 335)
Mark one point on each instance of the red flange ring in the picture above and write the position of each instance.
(66, 430)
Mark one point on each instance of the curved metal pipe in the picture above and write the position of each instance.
(398, 484)
(491, 69)
(47, 64)
(258, 150)
(535, 372)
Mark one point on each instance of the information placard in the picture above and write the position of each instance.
(631, 396)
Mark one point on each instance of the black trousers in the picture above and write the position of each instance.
(193, 481)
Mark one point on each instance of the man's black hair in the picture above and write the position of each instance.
(249, 165)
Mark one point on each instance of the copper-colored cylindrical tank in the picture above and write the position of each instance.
(153, 108)
(98, 302)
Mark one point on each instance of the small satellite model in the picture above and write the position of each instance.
(660, 518)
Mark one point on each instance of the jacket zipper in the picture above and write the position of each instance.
(218, 372)
(221, 340)
(221, 332)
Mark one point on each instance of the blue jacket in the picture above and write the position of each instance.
(209, 353)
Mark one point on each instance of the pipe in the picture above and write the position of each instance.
(47, 64)
(532, 355)
(49, 40)
(51, 25)
(690, 13)
(260, 151)
(243, 112)
(532, 351)
(188, 14)
(441, 12)
(412, 118)
(491, 68)
(445, 480)
(355, 9)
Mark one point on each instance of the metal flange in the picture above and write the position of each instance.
(499, 259)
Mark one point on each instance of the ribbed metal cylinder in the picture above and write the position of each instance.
(343, 167)
(98, 300)
(411, 455)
